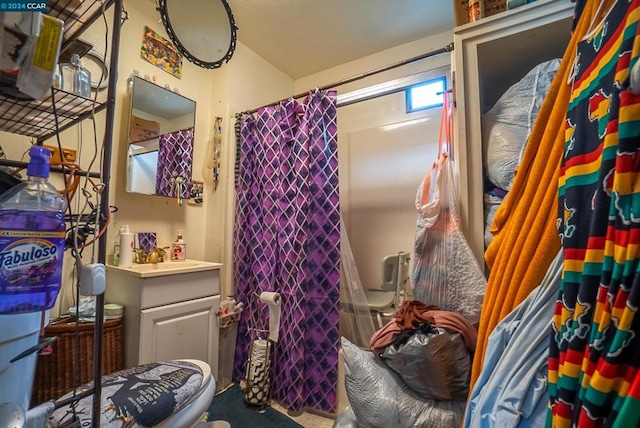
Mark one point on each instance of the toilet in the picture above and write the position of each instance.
(191, 413)
(172, 394)
(196, 384)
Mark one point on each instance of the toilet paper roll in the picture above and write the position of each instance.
(273, 302)
(259, 363)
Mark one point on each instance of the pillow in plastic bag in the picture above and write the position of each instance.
(379, 399)
(435, 364)
(346, 419)
(506, 127)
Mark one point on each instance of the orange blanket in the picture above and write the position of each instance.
(526, 239)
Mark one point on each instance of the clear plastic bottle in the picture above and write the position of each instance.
(31, 240)
(125, 258)
(75, 78)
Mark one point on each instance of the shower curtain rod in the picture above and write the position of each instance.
(445, 49)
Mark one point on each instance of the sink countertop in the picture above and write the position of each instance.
(150, 270)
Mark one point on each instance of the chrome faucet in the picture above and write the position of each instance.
(154, 256)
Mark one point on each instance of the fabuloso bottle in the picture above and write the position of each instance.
(32, 235)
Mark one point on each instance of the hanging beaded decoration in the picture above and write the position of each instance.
(215, 160)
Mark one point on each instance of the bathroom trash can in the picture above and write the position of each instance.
(228, 333)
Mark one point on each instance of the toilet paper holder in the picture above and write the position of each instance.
(257, 388)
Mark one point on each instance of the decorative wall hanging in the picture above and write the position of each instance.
(214, 148)
(197, 193)
(161, 52)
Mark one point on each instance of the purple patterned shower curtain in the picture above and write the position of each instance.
(287, 240)
(175, 157)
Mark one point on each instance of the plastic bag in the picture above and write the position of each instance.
(433, 364)
(506, 127)
(379, 399)
(491, 205)
(346, 419)
(445, 271)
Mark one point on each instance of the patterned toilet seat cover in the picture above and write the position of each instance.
(141, 396)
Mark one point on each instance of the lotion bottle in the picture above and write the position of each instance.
(125, 258)
(178, 249)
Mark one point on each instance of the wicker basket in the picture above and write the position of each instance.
(54, 372)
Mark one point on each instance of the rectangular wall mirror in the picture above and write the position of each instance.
(160, 141)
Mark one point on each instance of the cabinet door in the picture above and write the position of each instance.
(181, 330)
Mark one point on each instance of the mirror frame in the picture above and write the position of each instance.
(162, 8)
(131, 89)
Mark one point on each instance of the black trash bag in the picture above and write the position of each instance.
(435, 365)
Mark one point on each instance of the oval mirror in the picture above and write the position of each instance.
(204, 31)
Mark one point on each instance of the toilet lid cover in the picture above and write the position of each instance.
(141, 396)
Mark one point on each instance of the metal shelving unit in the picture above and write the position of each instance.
(36, 118)
(43, 119)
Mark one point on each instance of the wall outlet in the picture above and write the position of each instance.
(69, 154)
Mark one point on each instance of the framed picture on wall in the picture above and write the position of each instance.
(197, 193)
(161, 52)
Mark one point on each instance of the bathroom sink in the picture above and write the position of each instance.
(148, 267)
(168, 268)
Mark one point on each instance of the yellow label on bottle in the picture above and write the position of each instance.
(47, 45)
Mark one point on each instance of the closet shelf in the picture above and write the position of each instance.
(34, 118)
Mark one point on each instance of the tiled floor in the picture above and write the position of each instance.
(307, 420)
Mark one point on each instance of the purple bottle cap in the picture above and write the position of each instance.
(39, 164)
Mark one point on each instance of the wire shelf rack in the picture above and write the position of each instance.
(35, 118)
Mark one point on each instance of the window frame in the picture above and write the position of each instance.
(409, 95)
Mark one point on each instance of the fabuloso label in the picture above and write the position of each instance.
(30, 261)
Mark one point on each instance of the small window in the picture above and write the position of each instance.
(426, 95)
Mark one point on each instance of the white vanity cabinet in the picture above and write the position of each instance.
(491, 55)
(170, 311)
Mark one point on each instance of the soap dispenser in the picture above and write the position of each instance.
(178, 249)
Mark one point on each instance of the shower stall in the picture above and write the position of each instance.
(383, 152)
